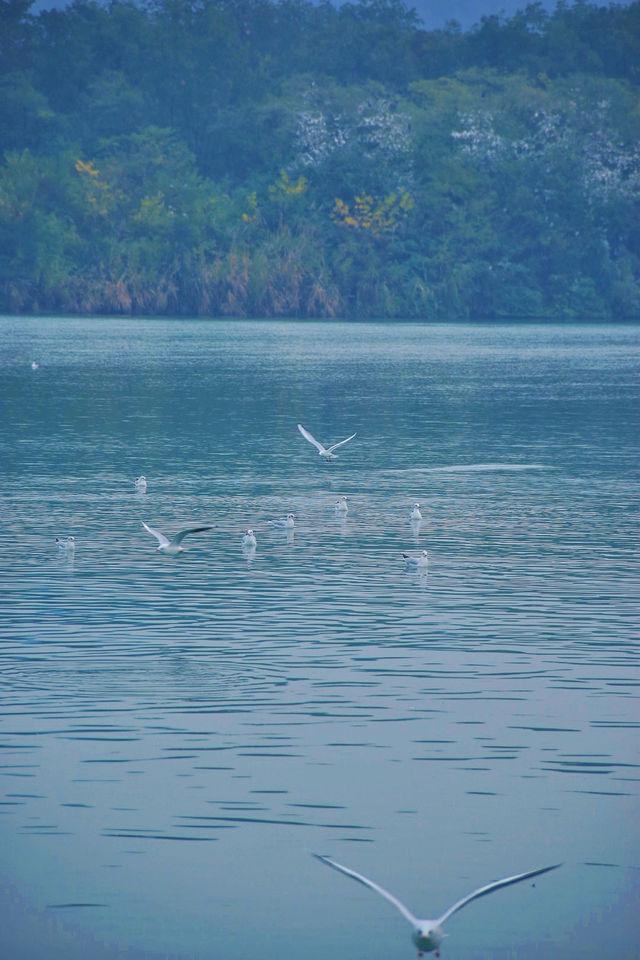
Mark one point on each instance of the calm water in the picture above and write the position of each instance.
(179, 734)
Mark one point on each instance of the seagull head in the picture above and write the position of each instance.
(428, 935)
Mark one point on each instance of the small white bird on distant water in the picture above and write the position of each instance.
(428, 934)
(415, 513)
(326, 452)
(419, 562)
(34, 365)
(288, 522)
(249, 541)
(141, 484)
(174, 545)
(66, 543)
(342, 505)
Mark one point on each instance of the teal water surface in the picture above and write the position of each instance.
(179, 734)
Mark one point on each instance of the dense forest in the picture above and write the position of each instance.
(262, 158)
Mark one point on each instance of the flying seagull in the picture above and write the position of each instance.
(428, 934)
(175, 544)
(326, 452)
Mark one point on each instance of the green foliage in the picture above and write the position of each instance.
(284, 157)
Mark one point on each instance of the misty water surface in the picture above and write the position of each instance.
(178, 735)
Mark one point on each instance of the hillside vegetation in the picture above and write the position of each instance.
(260, 158)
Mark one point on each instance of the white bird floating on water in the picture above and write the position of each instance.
(174, 545)
(415, 513)
(141, 483)
(34, 365)
(342, 505)
(288, 522)
(66, 543)
(249, 541)
(421, 561)
(428, 934)
(326, 452)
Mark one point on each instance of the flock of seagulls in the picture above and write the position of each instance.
(427, 935)
(173, 545)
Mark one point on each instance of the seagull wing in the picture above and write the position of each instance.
(490, 887)
(374, 886)
(160, 537)
(336, 445)
(307, 436)
(179, 537)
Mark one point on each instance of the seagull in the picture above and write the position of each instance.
(141, 483)
(415, 513)
(341, 505)
(428, 934)
(66, 543)
(288, 522)
(326, 452)
(174, 545)
(34, 365)
(421, 561)
(249, 541)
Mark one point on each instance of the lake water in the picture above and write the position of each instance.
(179, 734)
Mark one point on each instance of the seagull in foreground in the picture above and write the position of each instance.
(341, 505)
(288, 522)
(428, 934)
(421, 561)
(249, 541)
(141, 483)
(415, 513)
(174, 545)
(66, 543)
(326, 452)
